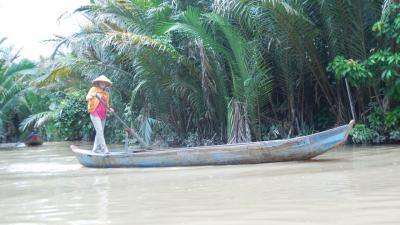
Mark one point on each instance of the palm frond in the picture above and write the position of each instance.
(147, 125)
(37, 120)
(53, 76)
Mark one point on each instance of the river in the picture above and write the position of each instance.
(349, 185)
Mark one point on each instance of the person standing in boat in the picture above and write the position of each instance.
(98, 111)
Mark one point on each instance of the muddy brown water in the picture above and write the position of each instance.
(349, 185)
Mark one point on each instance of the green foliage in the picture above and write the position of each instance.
(14, 77)
(382, 127)
(376, 123)
(392, 119)
(14, 82)
(387, 64)
(73, 121)
(361, 134)
(355, 71)
(243, 65)
(376, 118)
(389, 27)
(268, 57)
(382, 68)
(386, 59)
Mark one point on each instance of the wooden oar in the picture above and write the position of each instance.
(128, 129)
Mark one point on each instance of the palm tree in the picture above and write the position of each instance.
(300, 38)
(121, 43)
(243, 70)
(229, 69)
(14, 76)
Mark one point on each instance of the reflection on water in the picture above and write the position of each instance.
(350, 185)
(41, 167)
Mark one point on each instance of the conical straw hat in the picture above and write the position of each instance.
(102, 78)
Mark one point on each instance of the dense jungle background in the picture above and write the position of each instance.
(188, 73)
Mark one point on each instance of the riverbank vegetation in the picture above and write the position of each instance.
(208, 72)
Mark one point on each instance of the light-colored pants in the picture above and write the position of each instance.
(99, 141)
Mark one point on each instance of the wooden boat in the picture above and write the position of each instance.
(33, 140)
(299, 148)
